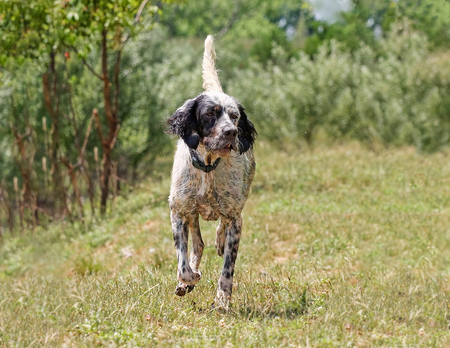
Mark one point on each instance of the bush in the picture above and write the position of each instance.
(397, 98)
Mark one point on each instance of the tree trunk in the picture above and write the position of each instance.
(73, 178)
(9, 212)
(52, 103)
(112, 118)
(26, 171)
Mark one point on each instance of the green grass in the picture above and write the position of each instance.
(341, 247)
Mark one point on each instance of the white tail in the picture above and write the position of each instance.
(210, 76)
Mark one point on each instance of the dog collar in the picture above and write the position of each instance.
(199, 164)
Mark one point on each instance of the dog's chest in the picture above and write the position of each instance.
(219, 194)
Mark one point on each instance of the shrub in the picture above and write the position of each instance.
(397, 98)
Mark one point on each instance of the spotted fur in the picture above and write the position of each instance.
(214, 125)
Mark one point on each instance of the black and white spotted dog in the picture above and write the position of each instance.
(212, 172)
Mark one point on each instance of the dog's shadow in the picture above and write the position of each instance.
(249, 306)
(287, 311)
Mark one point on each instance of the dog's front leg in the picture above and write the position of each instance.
(187, 277)
(233, 229)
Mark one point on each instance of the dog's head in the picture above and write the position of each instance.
(217, 121)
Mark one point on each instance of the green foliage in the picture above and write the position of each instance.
(159, 78)
(351, 34)
(21, 107)
(25, 29)
(431, 17)
(34, 28)
(358, 26)
(398, 98)
(80, 22)
(249, 28)
(67, 41)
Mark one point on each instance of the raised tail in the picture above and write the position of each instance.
(209, 73)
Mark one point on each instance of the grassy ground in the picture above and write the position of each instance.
(341, 247)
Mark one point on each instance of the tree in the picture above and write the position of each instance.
(50, 32)
(105, 26)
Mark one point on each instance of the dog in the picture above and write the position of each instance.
(213, 169)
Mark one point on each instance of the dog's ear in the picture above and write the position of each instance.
(184, 123)
(246, 131)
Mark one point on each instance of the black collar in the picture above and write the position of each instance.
(198, 163)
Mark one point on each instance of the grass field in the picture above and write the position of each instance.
(341, 247)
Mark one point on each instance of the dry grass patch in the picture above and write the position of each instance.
(340, 247)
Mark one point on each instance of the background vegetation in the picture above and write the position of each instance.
(378, 73)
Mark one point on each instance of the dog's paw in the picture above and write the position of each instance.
(222, 300)
(183, 289)
(189, 277)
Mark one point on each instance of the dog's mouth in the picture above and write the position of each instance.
(222, 152)
(225, 150)
(219, 147)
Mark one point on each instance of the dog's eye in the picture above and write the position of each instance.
(210, 113)
(234, 116)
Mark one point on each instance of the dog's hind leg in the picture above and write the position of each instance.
(185, 274)
(220, 238)
(197, 243)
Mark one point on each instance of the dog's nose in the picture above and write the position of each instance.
(230, 132)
